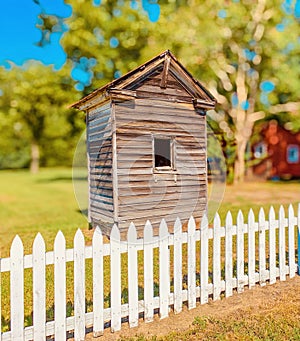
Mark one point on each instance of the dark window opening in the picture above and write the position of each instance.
(162, 152)
(292, 154)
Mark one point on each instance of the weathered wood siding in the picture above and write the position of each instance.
(143, 193)
(99, 125)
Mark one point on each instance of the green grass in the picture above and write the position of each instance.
(46, 203)
(42, 203)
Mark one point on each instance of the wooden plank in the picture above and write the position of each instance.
(39, 288)
(153, 198)
(98, 304)
(262, 247)
(60, 286)
(167, 209)
(115, 167)
(148, 272)
(164, 270)
(281, 241)
(204, 260)
(177, 266)
(216, 258)
(291, 241)
(115, 281)
(191, 264)
(164, 78)
(228, 255)
(17, 290)
(79, 286)
(240, 252)
(132, 277)
(272, 246)
(251, 249)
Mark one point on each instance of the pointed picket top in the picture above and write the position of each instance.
(115, 233)
(97, 235)
(163, 229)
(131, 234)
(17, 245)
(240, 217)
(281, 212)
(191, 225)
(79, 237)
(177, 225)
(148, 232)
(38, 242)
(217, 220)
(261, 215)
(59, 239)
(228, 220)
(271, 213)
(291, 211)
(251, 217)
(204, 222)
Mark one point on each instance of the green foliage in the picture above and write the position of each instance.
(104, 41)
(34, 108)
(231, 46)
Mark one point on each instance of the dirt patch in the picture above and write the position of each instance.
(270, 299)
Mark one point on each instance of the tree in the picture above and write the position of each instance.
(104, 41)
(35, 99)
(248, 53)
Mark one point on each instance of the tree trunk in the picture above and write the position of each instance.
(239, 164)
(35, 158)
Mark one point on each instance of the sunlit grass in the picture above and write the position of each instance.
(46, 203)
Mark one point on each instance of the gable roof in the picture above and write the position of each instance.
(166, 60)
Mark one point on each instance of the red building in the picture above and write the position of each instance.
(277, 154)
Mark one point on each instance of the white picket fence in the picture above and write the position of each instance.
(227, 257)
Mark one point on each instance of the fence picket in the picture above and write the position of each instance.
(98, 320)
(291, 241)
(282, 273)
(40, 330)
(240, 252)
(204, 260)
(177, 266)
(228, 255)
(191, 264)
(60, 287)
(272, 245)
(17, 289)
(216, 258)
(262, 246)
(39, 288)
(115, 279)
(251, 249)
(164, 270)
(79, 286)
(148, 272)
(132, 277)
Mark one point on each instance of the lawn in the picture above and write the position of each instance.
(38, 203)
(46, 203)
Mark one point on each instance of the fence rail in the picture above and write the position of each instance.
(229, 258)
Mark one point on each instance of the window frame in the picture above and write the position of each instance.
(164, 169)
(264, 150)
(295, 147)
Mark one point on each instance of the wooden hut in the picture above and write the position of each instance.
(146, 142)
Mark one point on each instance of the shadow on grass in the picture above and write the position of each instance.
(62, 179)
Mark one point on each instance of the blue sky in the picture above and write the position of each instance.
(19, 34)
